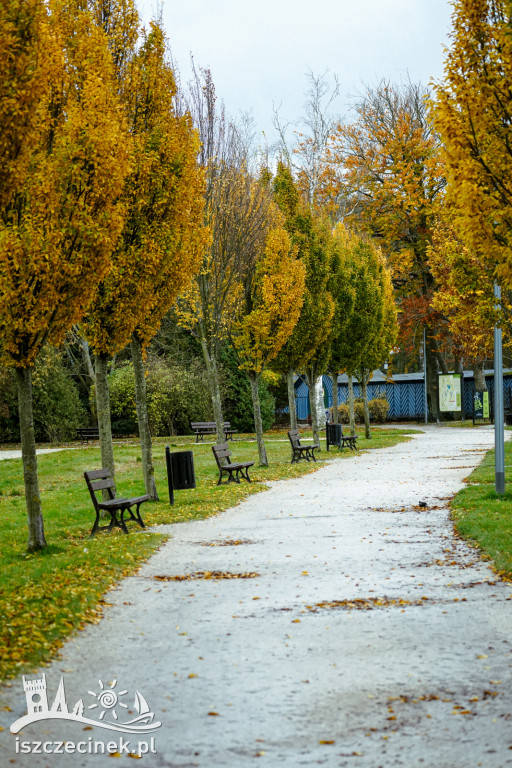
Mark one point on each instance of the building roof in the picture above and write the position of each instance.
(380, 378)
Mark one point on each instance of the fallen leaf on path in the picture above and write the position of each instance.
(365, 604)
(208, 575)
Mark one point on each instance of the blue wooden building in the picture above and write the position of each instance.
(404, 393)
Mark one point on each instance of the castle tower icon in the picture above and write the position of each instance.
(35, 692)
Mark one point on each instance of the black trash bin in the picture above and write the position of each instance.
(180, 471)
(333, 434)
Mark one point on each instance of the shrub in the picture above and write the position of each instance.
(237, 398)
(176, 395)
(123, 411)
(379, 409)
(343, 413)
(57, 407)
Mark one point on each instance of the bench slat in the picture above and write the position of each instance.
(95, 474)
(102, 485)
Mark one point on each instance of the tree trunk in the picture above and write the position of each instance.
(351, 406)
(432, 379)
(214, 387)
(36, 538)
(103, 411)
(335, 414)
(458, 369)
(258, 424)
(364, 391)
(143, 420)
(84, 346)
(478, 373)
(311, 382)
(291, 400)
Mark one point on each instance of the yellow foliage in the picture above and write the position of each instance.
(57, 232)
(24, 79)
(465, 294)
(274, 305)
(238, 215)
(163, 238)
(472, 113)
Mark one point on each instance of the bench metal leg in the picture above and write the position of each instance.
(230, 479)
(133, 516)
(122, 523)
(114, 523)
(245, 476)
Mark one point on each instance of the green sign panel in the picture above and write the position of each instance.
(449, 392)
(481, 405)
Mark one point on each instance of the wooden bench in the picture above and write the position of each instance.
(301, 451)
(84, 434)
(233, 470)
(202, 428)
(334, 436)
(99, 480)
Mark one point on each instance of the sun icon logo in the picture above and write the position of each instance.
(108, 699)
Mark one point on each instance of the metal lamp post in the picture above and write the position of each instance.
(425, 373)
(499, 418)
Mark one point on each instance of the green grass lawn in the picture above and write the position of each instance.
(484, 518)
(45, 596)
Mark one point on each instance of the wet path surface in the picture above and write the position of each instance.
(354, 629)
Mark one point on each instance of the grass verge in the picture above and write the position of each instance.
(45, 596)
(484, 518)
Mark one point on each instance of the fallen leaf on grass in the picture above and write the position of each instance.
(327, 741)
(213, 714)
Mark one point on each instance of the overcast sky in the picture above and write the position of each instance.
(259, 51)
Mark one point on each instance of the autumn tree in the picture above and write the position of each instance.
(465, 298)
(24, 74)
(321, 310)
(306, 153)
(357, 350)
(160, 246)
(472, 111)
(343, 290)
(389, 170)
(237, 214)
(311, 239)
(273, 293)
(58, 229)
(377, 311)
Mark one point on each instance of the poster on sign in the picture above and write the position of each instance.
(449, 392)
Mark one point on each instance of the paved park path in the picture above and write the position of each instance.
(278, 670)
